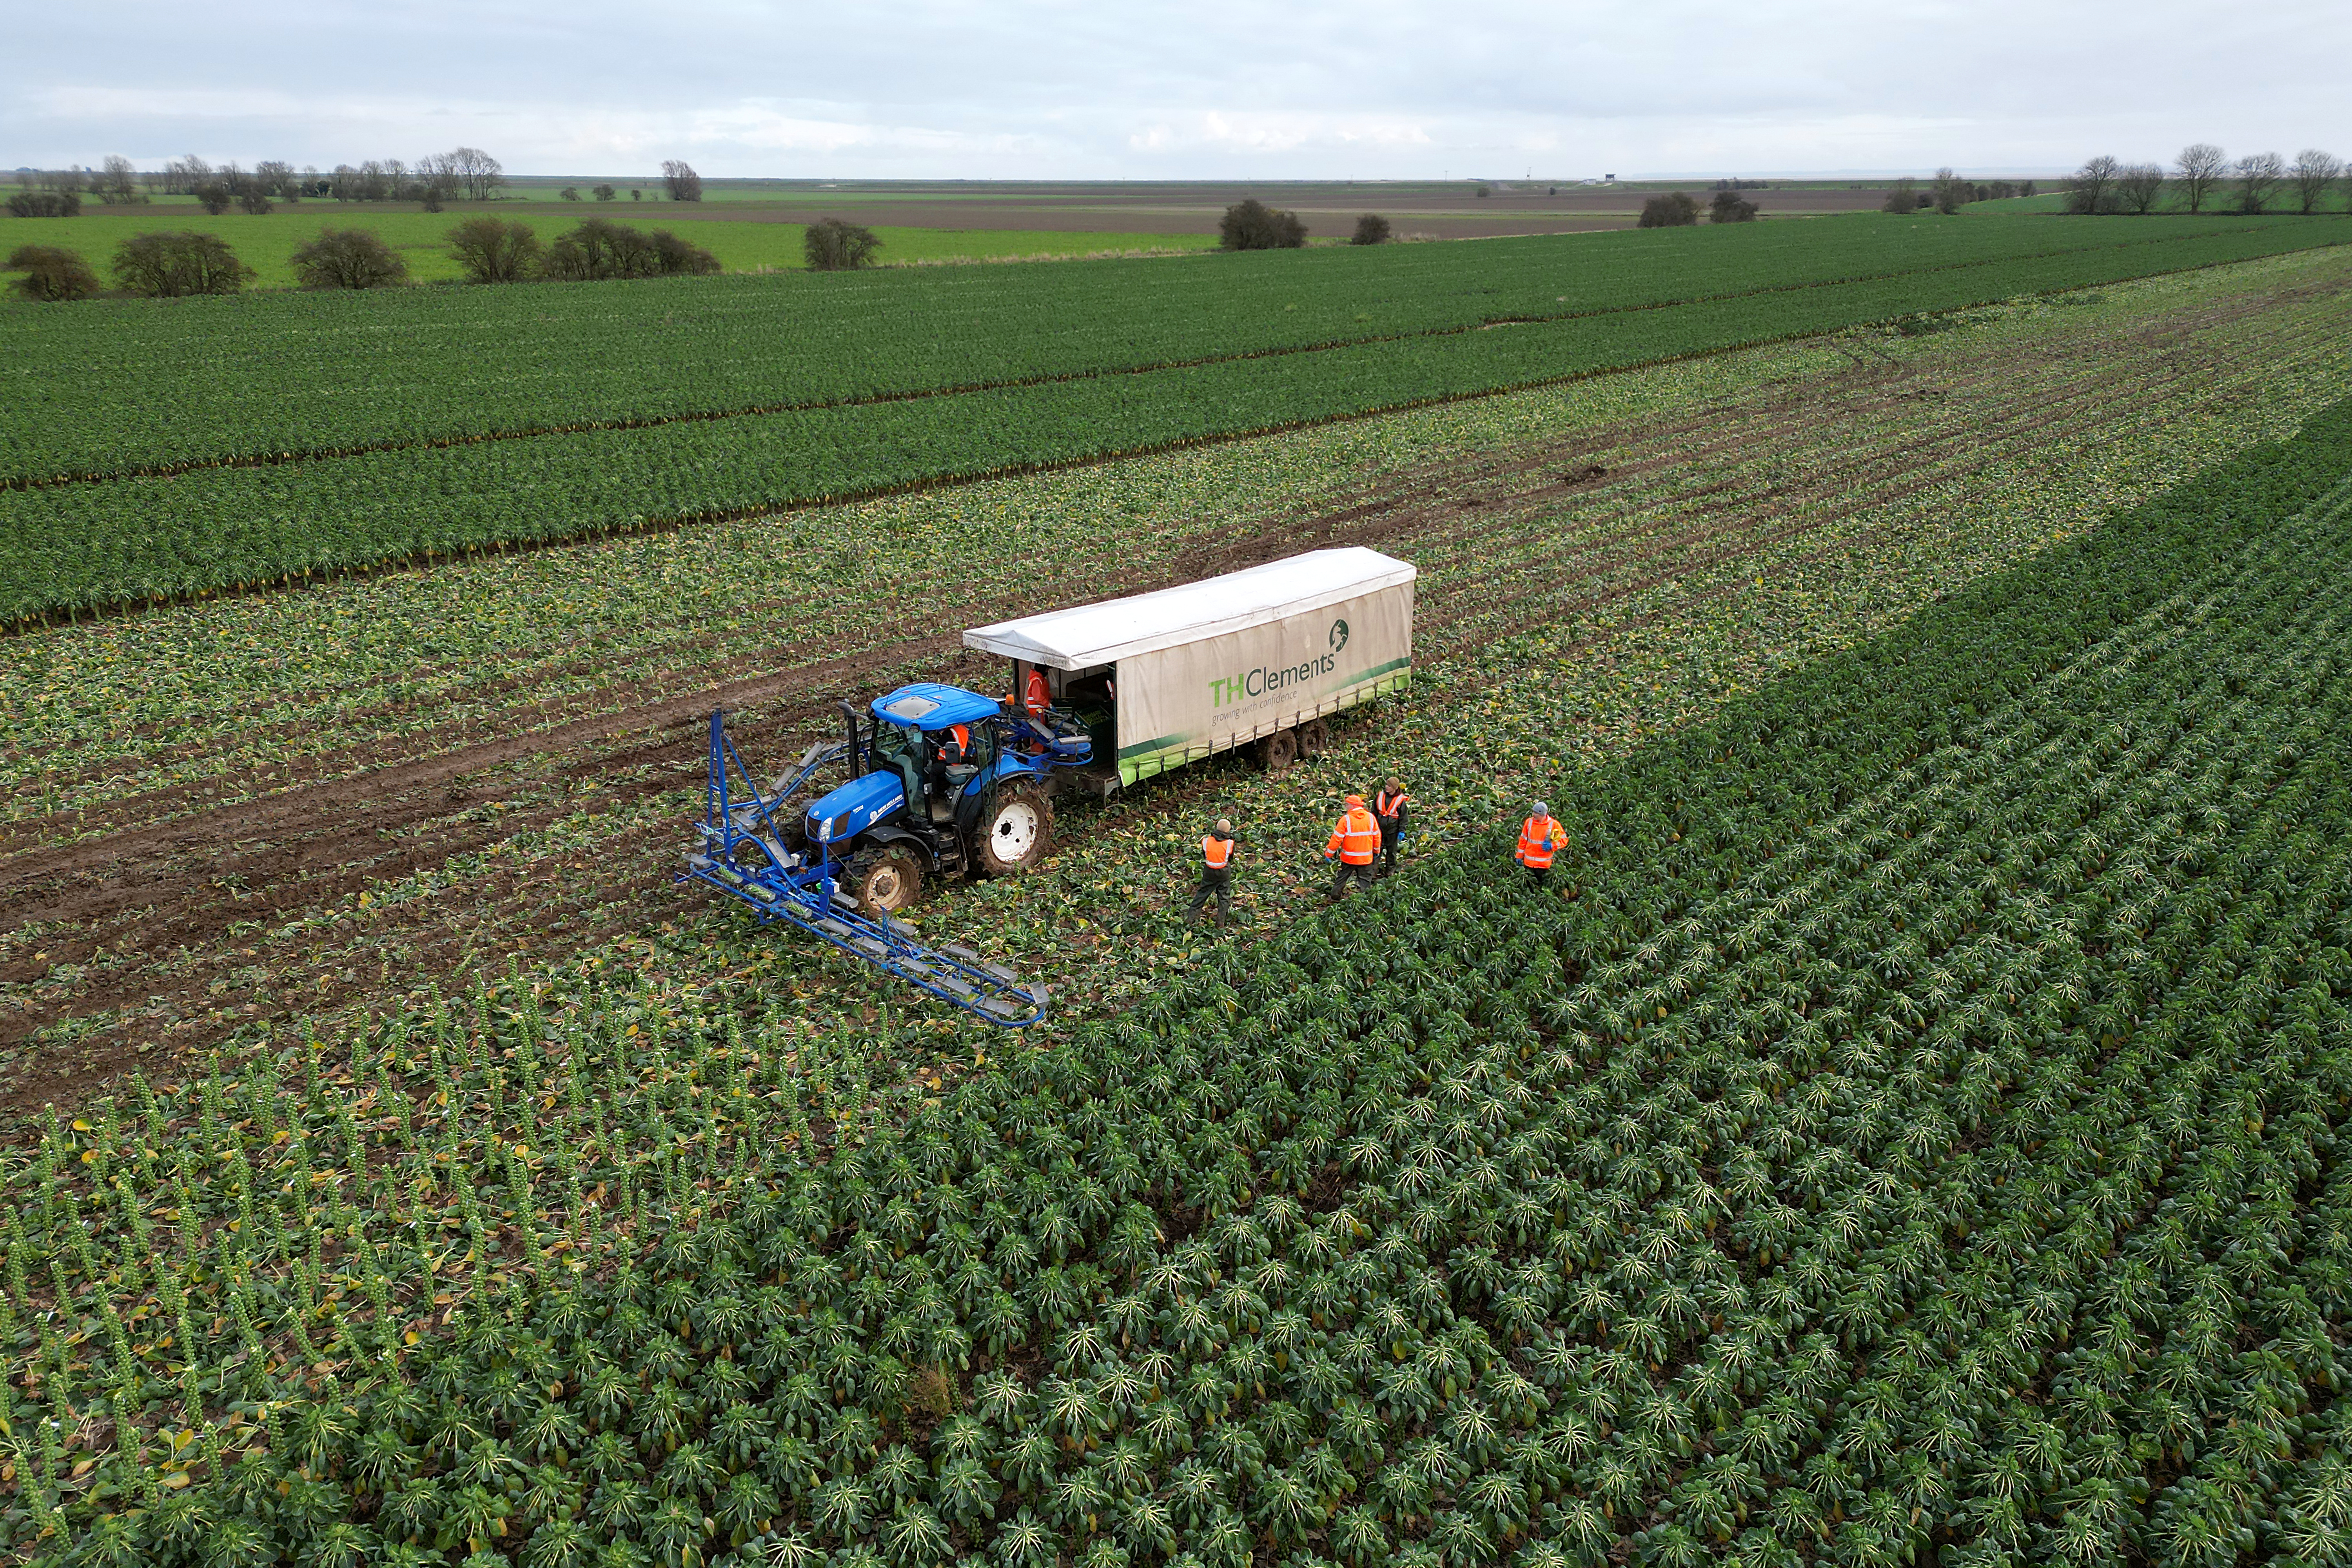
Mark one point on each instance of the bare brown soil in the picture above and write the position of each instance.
(1447, 211)
(189, 902)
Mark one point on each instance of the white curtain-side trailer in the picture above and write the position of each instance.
(1255, 658)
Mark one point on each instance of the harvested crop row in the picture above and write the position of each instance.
(139, 540)
(2169, 373)
(126, 387)
(1917, 1132)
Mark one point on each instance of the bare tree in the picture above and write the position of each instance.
(50, 274)
(492, 251)
(183, 175)
(476, 171)
(1902, 196)
(275, 177)
(349, 259)
(603, 192)
(2089, 189)
(2259, 174)
(1668, 209)
(440, 179)
(1370, 229)
(2314, 172)
(835, 245)
(2138, 187)
(1251, 224)
(1730, 206)
(165, 265)
(116, 179)
(1951, 191)
(685, 184)
(2203, 166)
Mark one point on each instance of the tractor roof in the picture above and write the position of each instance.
(1105, 632)
(928, 705)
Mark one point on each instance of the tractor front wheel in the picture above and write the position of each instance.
(885, 880)
(1020, 833)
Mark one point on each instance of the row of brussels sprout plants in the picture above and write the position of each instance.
(131, 388)
(73, 547)
(1908, 1127)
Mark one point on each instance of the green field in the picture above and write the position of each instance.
(265, 243)
(613, 407)
(1907, 1129)
(1903, 1133)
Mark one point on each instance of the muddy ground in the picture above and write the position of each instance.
(187, 903)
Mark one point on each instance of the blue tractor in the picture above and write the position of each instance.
(942, 783)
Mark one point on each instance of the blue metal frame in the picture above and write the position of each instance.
(804, 893)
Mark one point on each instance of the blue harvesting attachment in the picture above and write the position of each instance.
(756, 847)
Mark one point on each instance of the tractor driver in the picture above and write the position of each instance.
(951, 748)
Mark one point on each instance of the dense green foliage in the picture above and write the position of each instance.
(131, 387)
(74, 546)
(1917, 1132)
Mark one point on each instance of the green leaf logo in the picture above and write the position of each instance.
(1338, 636)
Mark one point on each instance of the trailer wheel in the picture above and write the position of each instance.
(885, 880)
(1277, 751)
(1018, 837)
(1314, 738)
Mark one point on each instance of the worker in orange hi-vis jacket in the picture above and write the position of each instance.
(1390, 809)
(1355, 841)
(1217, 870)
(1541, 837)
(1037, 698)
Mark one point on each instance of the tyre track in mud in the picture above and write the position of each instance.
(316, 843)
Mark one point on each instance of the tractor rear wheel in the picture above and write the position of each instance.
(1277, 751)
(884, 881)
(1018, 836)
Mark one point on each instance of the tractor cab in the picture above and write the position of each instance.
(943, 782)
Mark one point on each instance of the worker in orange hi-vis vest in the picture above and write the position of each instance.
(1217, 870)
(1355, 841)
(1390, 808)
(1540, 839)
(1037, 698)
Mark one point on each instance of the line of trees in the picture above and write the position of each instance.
(1679, 209)
(2207, 176)
(488, 249)
(462, 172)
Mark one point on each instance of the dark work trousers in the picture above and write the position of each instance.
(1217, 883)
(1391, 829)
(1356, 873)
(1542, 874)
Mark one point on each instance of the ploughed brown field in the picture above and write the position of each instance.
(1450, 210)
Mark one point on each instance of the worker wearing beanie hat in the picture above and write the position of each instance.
(1540, 839)
(1355, 841)
(1217, 870)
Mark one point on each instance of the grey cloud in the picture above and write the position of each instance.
(1159, 89)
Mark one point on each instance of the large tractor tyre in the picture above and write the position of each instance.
(1277, 751)
(1314, 738)
(1019, 834)
(884, 881)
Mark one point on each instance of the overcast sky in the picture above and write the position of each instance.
(1189, 88)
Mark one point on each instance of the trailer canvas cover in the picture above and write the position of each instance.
(1221, 662)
